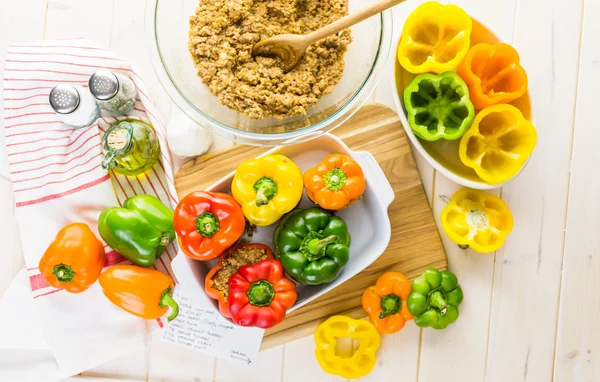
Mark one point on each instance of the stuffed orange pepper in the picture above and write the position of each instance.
(207, 223)
(74, 260)
(493, 74)
(217, 279)
(335, 183)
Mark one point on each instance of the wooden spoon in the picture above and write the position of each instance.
(291, 47)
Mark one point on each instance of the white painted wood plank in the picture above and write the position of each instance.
(82, 18)
(460, 349)
(268, 368)
(300, 363)
(172, 362)
(31, 13)
(398, 356)
(133, 366)
(577, 355)
(528, 267)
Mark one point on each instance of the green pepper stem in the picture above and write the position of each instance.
(63, 273)
(315, 247)
(266, 189)
(167, 300)
(335, 179)
(390, 304)
(207, 224)
(438, 301)
(261, 293)
(165, 240)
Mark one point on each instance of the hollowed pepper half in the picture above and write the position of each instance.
(438, 106)
(260, 294)
(435, 38)
(312, 244)
(477, 220)
(207, 223)
(74, 260)
(363, 358)
(385, 302)
(335, 183)
(140, 230)
(267, 188)
(498, 144)
(146, 293)
(435, 298)
(493, 74)
(217, 279)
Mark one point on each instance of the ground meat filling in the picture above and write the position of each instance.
(223, 32)
(232, 262)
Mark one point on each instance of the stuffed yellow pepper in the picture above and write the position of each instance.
(476, 219)
(267, 188)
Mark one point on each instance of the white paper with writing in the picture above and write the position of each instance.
(203, 329)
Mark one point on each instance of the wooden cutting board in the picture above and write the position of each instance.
(415, 242)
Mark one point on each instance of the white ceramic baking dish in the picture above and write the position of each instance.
(367, 220)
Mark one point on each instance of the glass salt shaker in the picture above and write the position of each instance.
(74, 105)
(113, 91)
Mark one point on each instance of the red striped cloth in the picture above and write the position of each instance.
(55, 169)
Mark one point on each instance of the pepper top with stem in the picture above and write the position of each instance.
(290, 47)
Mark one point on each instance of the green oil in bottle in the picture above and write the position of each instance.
(130, 147)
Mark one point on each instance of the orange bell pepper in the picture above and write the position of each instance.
(335, 183)
(207, 223)
(74, 260)
(144, 292)
(385, 302)
(493, 74)
(233, 258)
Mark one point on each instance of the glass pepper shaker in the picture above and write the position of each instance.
(130, 147)
(113, 91)
(74, 105)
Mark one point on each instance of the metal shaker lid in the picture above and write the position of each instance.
(64, 98)
(103, 85)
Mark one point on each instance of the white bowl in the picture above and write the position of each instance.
(442, 154)
(367, 220)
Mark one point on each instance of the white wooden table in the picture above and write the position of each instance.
(531, 311)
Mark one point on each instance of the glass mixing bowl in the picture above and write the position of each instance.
(168, 25)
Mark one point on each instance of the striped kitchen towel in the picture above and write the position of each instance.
(57, 179)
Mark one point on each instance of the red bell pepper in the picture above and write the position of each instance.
(207, 223)
(259, 294)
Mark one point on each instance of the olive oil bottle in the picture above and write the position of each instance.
(130, 147)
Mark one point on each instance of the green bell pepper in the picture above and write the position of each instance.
(435, 298)
(140, 231)
(438, 106)
(312, 244)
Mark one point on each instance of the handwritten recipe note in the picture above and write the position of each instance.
(203, 329)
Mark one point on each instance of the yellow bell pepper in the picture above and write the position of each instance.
(267, 188)
(476, 219)
(362, 360)
(435, 38)
(498, 143)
